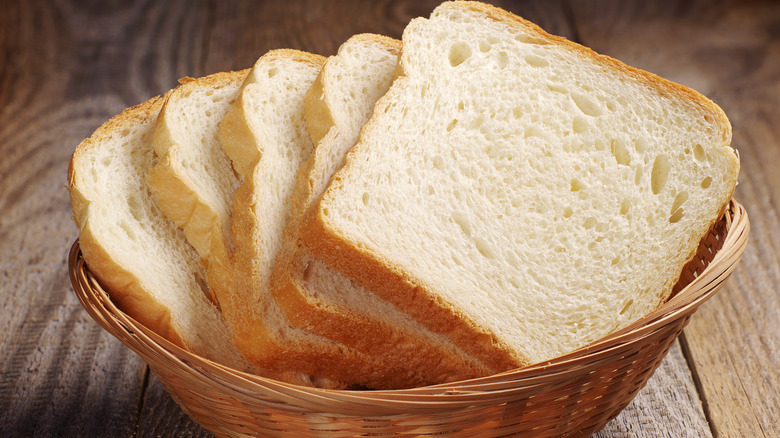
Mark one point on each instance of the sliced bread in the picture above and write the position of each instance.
(140, 257)
(265, 135)
(193, 181)
(521, 193)
(235, 219)
(322, 300)
(194, 184)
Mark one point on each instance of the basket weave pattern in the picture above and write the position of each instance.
(573, 395)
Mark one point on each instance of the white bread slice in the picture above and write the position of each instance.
(320, 299)
(521, 193)
(196, 183)
(193, 182)
(140, 257)
(265, 135)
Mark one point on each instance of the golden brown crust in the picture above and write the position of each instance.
(293, 294)
(233, 131)
(319, 119)
(384, 40)
(312, 59)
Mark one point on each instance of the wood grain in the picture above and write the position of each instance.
(67, 66)
(161, 416)
(746, 315)
(64, 73)
(668, 406)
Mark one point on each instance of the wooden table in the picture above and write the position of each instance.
(66, 66)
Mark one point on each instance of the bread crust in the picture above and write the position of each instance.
(392, 282)
(419, 360)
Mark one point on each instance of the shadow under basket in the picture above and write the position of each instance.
(572, 395)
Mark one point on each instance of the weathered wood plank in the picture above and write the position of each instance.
(740, 382)
(161, 416)
(668, 406)
(66, 68)
(242, 31)
(56, 364)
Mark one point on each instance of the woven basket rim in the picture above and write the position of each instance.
(159, 352)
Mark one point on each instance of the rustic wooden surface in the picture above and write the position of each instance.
(66, 66)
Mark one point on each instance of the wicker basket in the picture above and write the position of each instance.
(573, 395)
